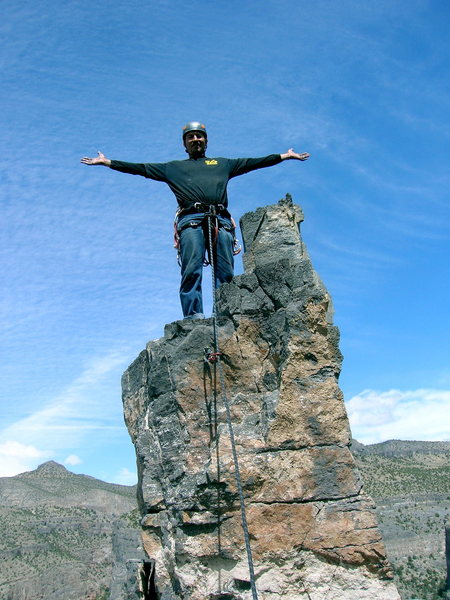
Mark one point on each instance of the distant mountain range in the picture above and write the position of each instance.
(57, 528)
(410, 483)
(53, 485)
(56, 533)
(401, 448)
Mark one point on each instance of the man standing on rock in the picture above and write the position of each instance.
(200, 187)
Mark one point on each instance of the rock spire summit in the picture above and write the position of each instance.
(313, 529)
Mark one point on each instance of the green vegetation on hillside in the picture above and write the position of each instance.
(385, 477)
(56, 533)
(412, 494)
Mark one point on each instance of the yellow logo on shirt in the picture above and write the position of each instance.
(211, 162)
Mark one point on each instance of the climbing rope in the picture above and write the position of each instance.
(215, 358)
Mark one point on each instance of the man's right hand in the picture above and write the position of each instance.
(97, 160)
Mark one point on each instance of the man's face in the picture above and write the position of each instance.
(195, 143)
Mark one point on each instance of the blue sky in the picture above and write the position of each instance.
(89, 274)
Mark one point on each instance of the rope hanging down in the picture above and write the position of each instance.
(215, 358)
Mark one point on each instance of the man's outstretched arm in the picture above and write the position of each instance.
(239, 166)
(97, 160)
(290, 154)
(156, 171)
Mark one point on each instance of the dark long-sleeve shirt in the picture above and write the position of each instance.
(201, 180)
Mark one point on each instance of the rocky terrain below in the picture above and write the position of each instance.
(56, 531)
(57, 528)
(410, 483)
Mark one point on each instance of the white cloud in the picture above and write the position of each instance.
(16, 457)
(125, 477)
(72, 460)
(65, 421)
(421, 414)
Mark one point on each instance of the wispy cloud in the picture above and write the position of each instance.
(125, 477)
(64, 422)
(86, 252)
(361, 256)
(421, 414)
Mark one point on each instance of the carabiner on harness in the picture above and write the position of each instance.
(208, 211)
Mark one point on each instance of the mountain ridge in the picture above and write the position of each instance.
(56, 531)
(37, 487)
(408, 522)
(401, 447)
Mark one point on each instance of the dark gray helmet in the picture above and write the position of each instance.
(194, 126)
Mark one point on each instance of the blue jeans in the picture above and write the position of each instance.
(194, 240)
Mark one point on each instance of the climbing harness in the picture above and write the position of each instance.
(214, 357)
(199, 207)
